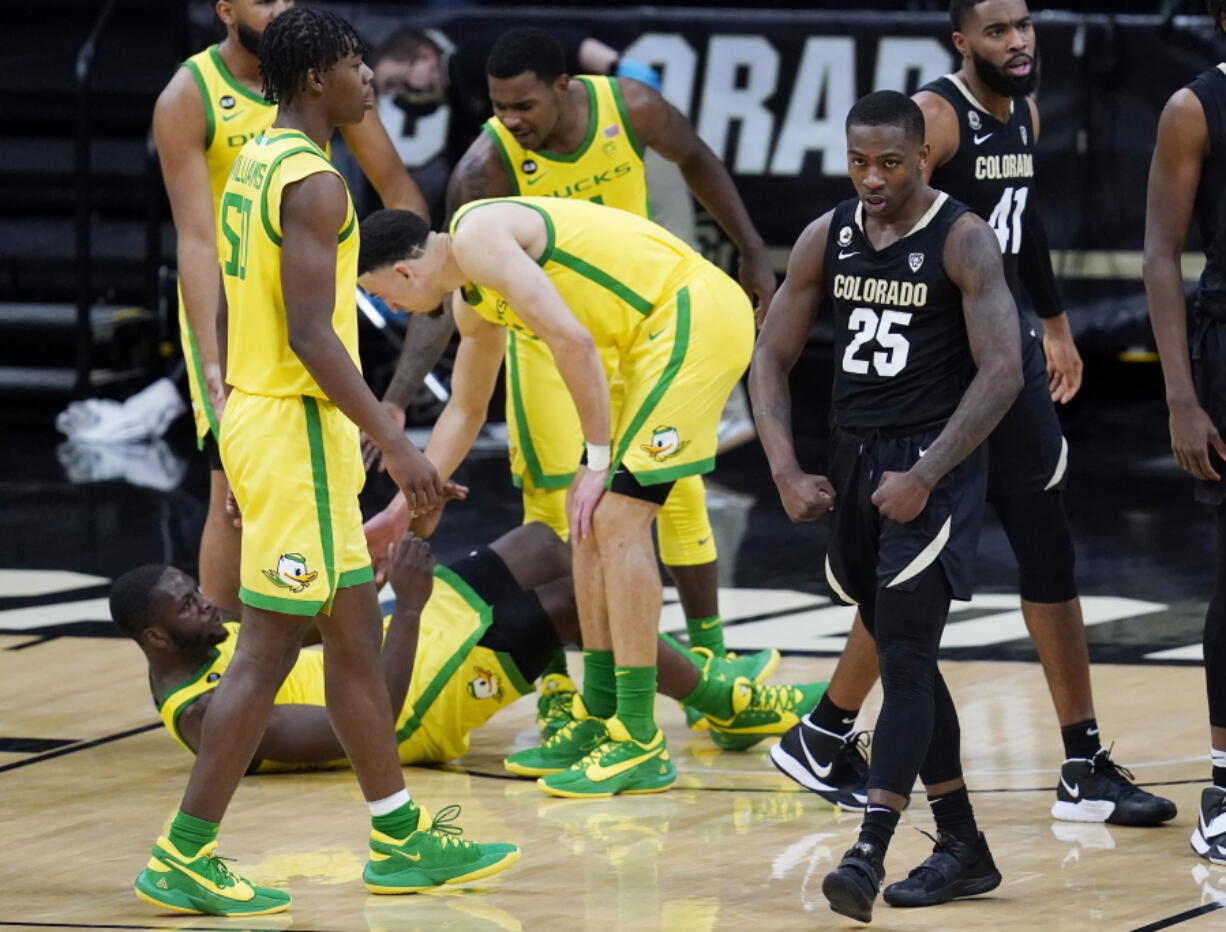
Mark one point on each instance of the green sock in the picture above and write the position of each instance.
(636, 701)
(707, 632)
(399, 823)
(189, 834)
(599, 691)
(556, 664)
(711, 697)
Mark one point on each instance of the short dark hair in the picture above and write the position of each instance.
(888, 108)
(958, 10)
(298, 41)
(526, 49)
(1216, 9)
(405, 44)
(389, 236)
(132, 598)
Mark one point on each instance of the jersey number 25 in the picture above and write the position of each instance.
(867, 326)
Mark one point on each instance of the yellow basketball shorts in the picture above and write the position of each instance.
(295, 467)
(687, 356)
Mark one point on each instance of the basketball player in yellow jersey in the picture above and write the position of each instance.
(289, 439)
(474, 635)
(207, 111)
(556, 136)
(610, 294)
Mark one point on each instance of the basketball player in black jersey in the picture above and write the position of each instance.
(981, 127)
(926, 363)
(1187, 174)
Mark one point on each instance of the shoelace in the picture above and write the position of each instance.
(858, 743)
(562, 734)
(443, 825)
(775, 698)
(222, 875)
(939, 846)
(1102, 764)
(557, 703)
(596, 754)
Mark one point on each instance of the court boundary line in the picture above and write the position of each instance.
(79, 746)
(1185, 916)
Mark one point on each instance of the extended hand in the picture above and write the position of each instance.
(900, 496)
(1064, 367)
(416, 476)
(805, 497)
(758, 279)
(412, 571)
(383, 532)
(425, 525)
(372, 456)
(585, 492)
(1192, 435)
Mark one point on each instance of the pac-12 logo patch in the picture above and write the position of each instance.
(485, 685)
(973, 118)
(915, 260)
(665, 444)
(527, 166)
(844, 236)
(227, 102)
(291, 573)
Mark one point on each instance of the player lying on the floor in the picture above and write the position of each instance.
(474, 636)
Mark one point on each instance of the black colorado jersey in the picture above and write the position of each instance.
(1210, 90)
(993, 169)
(901, 357)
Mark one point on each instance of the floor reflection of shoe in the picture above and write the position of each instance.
(733, 432)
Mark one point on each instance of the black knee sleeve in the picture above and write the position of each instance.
(1038, 531)
(944, 759)
(1215, 632)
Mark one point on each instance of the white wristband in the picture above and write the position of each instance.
(598, 456)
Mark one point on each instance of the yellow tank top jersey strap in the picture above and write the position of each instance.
(611, 267)
(606, 169)
(260, 361)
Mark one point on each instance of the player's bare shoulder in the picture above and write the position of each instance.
(808, 255)
(972, 252)
(179, 109)
(480, 173)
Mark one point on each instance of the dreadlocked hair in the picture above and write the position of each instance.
(301, 40)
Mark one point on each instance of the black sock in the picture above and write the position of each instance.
(878, 826)
(1219, 777)
(829, 717)
(1081, 739)
(954, 815)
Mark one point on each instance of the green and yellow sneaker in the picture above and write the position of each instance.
(553, 704)
(756, 667)
(619, 765)
(575, 739)
(433, 855)
(202, 884)
(761, 711)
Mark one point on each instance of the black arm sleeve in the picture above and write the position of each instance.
(1034, 267)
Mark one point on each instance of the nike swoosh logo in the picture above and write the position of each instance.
(708, 625)
(1073, 791)
(652, 336)
(983, 138)
(241, 892)
(406, 855)
(704, 540)
(533, 180)
(923, 450)
(1091, 731)
(1214, 829)
(849, 721)
(847, 255)
(227, 117)
(822, 770)
(598, 772)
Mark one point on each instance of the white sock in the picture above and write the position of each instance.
(388, 804)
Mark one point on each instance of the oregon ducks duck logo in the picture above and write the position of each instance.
(665, 444)
(291, 573)
(485, 685)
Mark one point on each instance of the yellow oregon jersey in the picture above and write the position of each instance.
(259, 359)
(456, 684)
(611, 267)
(606, 169)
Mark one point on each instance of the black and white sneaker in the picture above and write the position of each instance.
(1100, 790)
(851, 888)
(1209, 836)
(834, 768)
(954, 869)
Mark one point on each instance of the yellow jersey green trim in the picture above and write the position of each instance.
(622, 112)
(349, 228)
(447, 671)
(550, 233)
(205, 401)
(273, 603)
(319, 475)
(210, 121)
(673, 473)
(592, 107)
(516, 678)
(355, 577)
(264, 218)
(502, 154)
(220, 65)
(531, 460)
(190, 681)
(681, 341)
(603, 279)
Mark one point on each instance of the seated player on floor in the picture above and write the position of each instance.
(474, 636)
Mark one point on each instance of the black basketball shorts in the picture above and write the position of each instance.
(1207, 344)
(869, 552)
(1027, 451)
